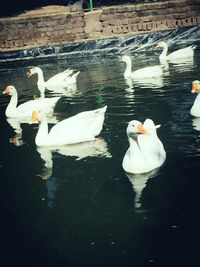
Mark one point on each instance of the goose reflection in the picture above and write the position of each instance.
(157, 82)
(139, 182)
(15, 124)
(96, 148)
(129, 83)
(69, 90)
(46, 174)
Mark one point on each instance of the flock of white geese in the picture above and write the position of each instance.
(145, 153)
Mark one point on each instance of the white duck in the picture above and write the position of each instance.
(25, 109)
(195, 110)
(147, 72)
(62, 79)
(146, 152)
(76, 129)
(180, 53)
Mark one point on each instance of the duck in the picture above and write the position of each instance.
(25, 109)
(195, 110)
(146, 72)
(84, 126)
(62, 79)
(146, 152)
(180, 53)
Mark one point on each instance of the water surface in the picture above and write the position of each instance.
(76, 206)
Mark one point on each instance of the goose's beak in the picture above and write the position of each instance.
(142, 130)
(29, 73)
(34, 117)
(195, 87)
(7, 91)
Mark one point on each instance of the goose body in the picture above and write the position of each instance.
(146, 152)
(62, 79)
(195, 110)
(25, 109)
(147, 72)
(180, 53)
(82, 127)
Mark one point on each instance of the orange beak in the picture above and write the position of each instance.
(142, 130)
(7, 91)
(195, 87)
(35, 116)
(30, 73)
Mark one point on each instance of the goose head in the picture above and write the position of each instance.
(134, 128)
(150, 126)
(33, 71)
(195, 86)
(10, 90)
(126, 59)
(161, 45)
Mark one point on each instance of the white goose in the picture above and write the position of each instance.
(146, 152)
(195, 110)
(62, 79)
(180, 53)
(147, 72)
(25, 109)
(76, 129)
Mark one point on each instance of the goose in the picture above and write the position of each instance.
(180, 53)
(62, 79)
(146, 151)
(147, 72)
(84, 126)
(195, 110)
(25, 109)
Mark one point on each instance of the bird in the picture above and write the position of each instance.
(180, 53)
(25, 109)
(146, 72)
(62, 79)
(84, 126)
(146, 152)
(195, 110)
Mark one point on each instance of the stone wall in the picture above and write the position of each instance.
(65, 27)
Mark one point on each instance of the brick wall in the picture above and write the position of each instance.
(65, 27)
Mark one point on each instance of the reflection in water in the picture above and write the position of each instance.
(129, 83)
(150, 82)
(178, 64)
(139, 182)
(15, 123)
(69, 90)
(46, 175)
(52, 188)
(97, 148)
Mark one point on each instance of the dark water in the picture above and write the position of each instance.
(88, 212)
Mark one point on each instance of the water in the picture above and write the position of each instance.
(77, 207)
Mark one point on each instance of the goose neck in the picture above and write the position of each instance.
(42, 134)
(164, 52)
(12, 105)
(40, 77)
